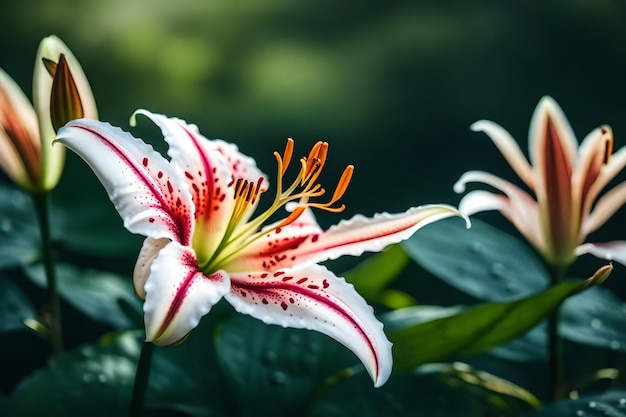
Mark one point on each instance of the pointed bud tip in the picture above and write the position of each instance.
(65, 101)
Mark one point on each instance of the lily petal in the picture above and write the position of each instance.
(209, 168)
(604, 208)
(178, 295)
(592, 155)
(148, 193)
(553, 149)
(612, 251)
(518, 206)
(349, 237)
(310, 296)
(19, 138)
(615, 164)
(52, 157)
(508, 147)
(149, 251)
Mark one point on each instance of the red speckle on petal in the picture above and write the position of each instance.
(278, 273)
(285, 279)
(284, 305)
(264, 300)
(243, 293)
(291, 300)
(169, 187)
(263, 275)
(145, 162)
(313, 287)
(188, 175)
(151, 219)
(301, 280)
(325, 284)
(314, 238)
(160, 174)
(278, 230)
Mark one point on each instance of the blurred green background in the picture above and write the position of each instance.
(393, 86)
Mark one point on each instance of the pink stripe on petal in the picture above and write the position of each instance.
(147, 192)
(310, 296)
(361, 234)
(210, 168)
(178, 295)
(553, 148)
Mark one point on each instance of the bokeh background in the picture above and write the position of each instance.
(393, 86)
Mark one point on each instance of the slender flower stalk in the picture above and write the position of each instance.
(142, 376)
(203, 241)
(566, 180)
(42, 205)
(61, 93)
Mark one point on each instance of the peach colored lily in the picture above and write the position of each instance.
(26, 133)
(203, 243)
(566, 180)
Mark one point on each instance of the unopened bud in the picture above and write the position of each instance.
(65, 102)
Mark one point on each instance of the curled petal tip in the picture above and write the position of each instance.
(459, 186)
(478, 126)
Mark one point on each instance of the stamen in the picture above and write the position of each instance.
(608, 149)
(342, 186)
(257, 189)
(287, 156)
(292, 217)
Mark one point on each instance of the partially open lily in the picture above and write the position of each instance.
(61, 93)
(203, 243)
(566, 179)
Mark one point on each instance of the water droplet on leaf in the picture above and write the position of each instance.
(278, 378)
(477, 249)
(269, 357)
(498, 271)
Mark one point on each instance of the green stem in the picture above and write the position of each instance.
(555, 348)
(141, 380)
(42, 204)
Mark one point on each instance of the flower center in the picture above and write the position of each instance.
(304, 189)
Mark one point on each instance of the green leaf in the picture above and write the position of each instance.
(473, 331)
(372, 276)
(97, 379)
(273, 371)
(482, 261)
(610, 403)
(596, 317)
(19, 230)
(14, 307)
(94, 380)
(434, 390)
(97, 294)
